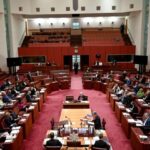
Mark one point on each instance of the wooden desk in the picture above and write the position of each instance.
(113, 99)
(126, 125)
(26, 123)
(12, 106)
(88, 84)
(74, 115)
(82, 104)
(16, 144)
(119, 108)
(33, 109)
(136, 142)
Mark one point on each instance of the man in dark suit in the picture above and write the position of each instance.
(29, 76)
(5, 97)
(82, 97)
(147, 120)
(76, 67)
(101, 143)
(52, 141)
(29, 98)
(97, 121)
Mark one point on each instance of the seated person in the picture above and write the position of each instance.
(136, 87)
(98, 63)
(98, 76)
(22, 105)
(33, 91)
(128, 80)
(97, 121)
(17, 79)
(146, 123)
(120, 92)
(52, 141)
(147, 97)
(29, 76)
(18, 87)
(115, 88)
(14, 92)
(140, 93)
(1, 102)
(82, 97)
(5, 97)
(9, 93)
(29, 97)
(7, 82)
(143, 79)
(134, 109)
(8, 120)
(101, 143)
(127, 99)
(23, 84)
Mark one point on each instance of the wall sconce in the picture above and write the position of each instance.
(76, 50)
(39, 24)
(63, 24)
(88, 23)
(51, 24)
(112, 22)
(100, 23)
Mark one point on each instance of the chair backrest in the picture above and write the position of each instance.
(96, 148)
(52, 147)
(69, 98)
(73, 143)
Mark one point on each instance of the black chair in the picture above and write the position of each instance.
(69, 98)
(52, 147)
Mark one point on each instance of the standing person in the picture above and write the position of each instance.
(97, 121)
(76, 67)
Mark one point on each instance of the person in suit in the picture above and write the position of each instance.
(146, 121)
(76, 65)
(97, 121)
(101, 143)
(147, 97)
(29, 98)
(52, 141)
(82, 97)
(5, 97)
(8, 120)
(29, 76)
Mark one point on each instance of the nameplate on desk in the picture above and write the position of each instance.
(126, 114)
(113, 95)
(33, 104)
(16, 128)
(14, 132)
(145, 105)
(143, 137)
(131, 121)
(23, 120)
(128, 110)
(13, 100)
(31, 107)
(140, 100)
(26, 115)
(8, 141)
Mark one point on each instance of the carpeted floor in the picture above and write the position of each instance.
(52, 109)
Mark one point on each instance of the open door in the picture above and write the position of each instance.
(84, 61)
(68, 62)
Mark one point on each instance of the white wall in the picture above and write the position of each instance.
(29, 6)
(1, 6)
(125, 5)
(18, 29)
(148, 43)
(135, 26)
(58, 22)
(3, 47)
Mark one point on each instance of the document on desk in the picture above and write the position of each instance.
(131, 121)
(87, 141)
(61, 140)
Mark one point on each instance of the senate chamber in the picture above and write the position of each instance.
(74, 75)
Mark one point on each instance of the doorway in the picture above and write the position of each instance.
(74, 59)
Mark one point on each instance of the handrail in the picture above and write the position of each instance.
(22, 38)
(130, 36)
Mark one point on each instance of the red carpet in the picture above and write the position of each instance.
(52, 109)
